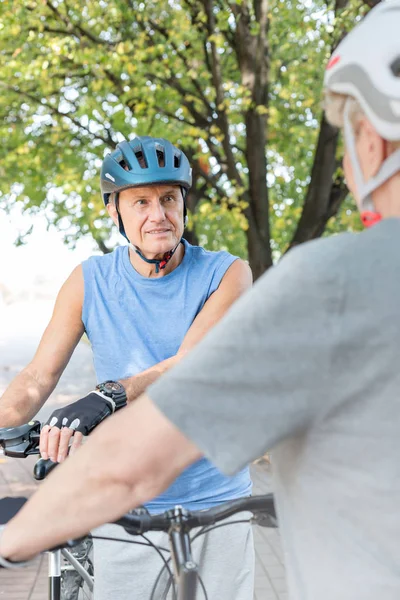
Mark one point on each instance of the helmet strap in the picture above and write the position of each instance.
(120, 223)
(160, 263)
(184, 193)
(389, 167)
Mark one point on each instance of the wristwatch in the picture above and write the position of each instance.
(115, 391)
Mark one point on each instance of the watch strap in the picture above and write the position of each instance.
(110, 401)
(118, 398)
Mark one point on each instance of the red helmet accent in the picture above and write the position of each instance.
(333, 61)
(370, 218)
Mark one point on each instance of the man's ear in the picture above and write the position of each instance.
(371, 148)
(112, 211)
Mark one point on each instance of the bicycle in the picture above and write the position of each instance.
(184, 580)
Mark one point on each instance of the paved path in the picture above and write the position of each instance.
(20, 330)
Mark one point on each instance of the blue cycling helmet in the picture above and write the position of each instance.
(144, 161)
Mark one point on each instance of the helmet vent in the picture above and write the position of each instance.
(141, 159)
(177, 161)
(123, 164)
(395, 67)
(160, 156)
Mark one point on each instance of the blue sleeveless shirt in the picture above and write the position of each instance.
(134, 322)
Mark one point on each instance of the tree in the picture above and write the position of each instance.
(236, 84)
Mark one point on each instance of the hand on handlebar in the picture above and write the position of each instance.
(54, 442)
(72, 421)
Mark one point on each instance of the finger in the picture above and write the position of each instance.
(76, 442)
(65, 436)
(54, 440)
(43, 443)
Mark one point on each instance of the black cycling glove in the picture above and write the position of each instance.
(83, 415)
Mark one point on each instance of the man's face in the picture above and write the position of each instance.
(152, 217)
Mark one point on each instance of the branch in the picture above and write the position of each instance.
(77, 27)
(108, 140)
(199, 118)
(223, 122)
(114, 80)
(214, 151)
(164, 32)
(101, 244)
(211, 179)
(338, 193)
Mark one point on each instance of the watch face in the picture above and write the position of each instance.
(113, 386)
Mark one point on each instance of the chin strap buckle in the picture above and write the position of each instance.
(163, 263)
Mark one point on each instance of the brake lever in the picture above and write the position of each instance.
(22, 441)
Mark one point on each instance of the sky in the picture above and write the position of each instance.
(43, 263)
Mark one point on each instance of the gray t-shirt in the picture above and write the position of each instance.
(307, 363)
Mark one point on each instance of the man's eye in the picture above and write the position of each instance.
(141, 202)
(169, 198)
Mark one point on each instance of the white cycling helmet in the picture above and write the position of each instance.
(366, 66)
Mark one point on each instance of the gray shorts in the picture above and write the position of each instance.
(128, 572)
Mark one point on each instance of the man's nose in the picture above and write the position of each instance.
(157, 211)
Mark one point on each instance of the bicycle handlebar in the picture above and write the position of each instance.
(24, 441)
(140, 521)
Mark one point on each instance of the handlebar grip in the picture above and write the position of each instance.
(42, 468)
(140, 521)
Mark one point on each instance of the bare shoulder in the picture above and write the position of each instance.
(72, 290)
(238, 276)
(69, 302)
(63, 332)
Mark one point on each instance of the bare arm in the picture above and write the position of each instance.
(236, 281)
(128, 460)
(30, 389)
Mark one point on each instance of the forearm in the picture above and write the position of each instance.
(129, 459)
(137, 385)
(23, 398)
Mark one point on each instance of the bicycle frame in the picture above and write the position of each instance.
(55, 575)
(55, 570)
(185, 569)
(76, 565)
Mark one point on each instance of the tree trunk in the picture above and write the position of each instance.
(252, 51)
(322, 199)
(324, 195)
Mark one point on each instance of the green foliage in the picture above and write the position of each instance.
(76, 78)
(221, 229)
